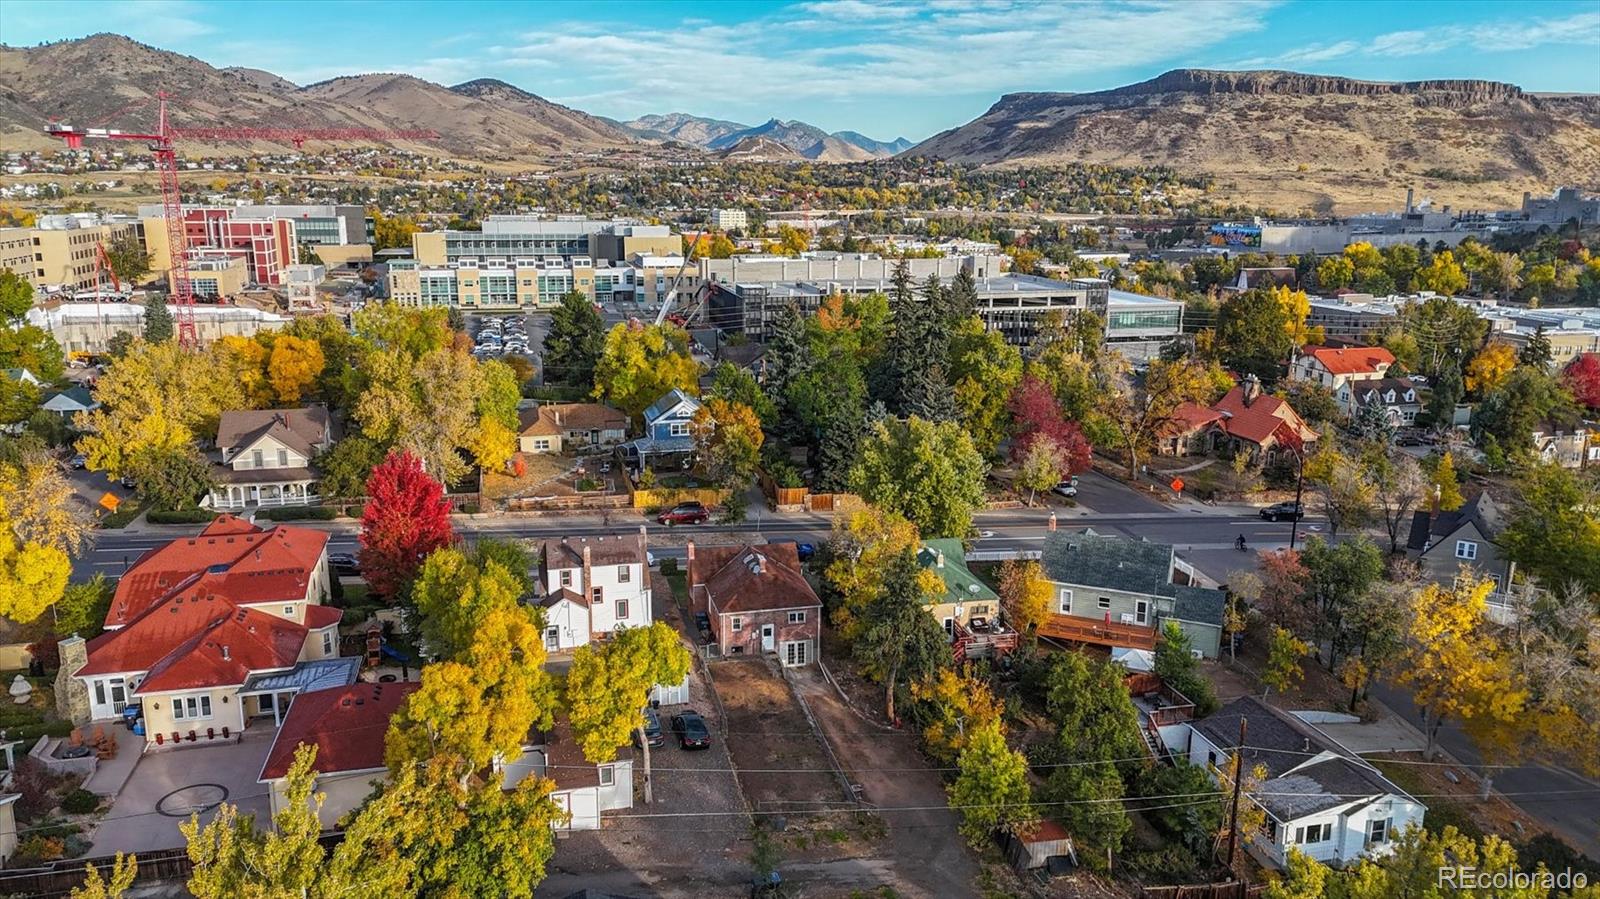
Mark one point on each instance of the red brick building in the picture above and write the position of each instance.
(757, 599)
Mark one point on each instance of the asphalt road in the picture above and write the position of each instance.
(1566, 802)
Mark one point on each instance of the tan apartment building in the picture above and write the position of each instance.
(65, 258)
(216, 276)
(16, 252)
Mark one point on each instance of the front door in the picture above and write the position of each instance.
(1141, 612)
(266, 702)
(119, 694)
(767, 637)
(796, 653)
(552, 639)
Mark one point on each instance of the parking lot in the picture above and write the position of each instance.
(499, 336)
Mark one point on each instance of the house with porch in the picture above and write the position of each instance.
(1245, 420)
(69, 402)
(593, 586)
(1319, 797)
(214, 633)
(1119, 593)
(666, 439)
(758, 600)
(968, 610)
(1448, 545)
(1569, 446)
(570, 427)
(265, 456)
(346, 724)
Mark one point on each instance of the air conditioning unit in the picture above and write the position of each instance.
(1197, 653)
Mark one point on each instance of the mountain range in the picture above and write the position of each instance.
(807, 141)
(1302, 141)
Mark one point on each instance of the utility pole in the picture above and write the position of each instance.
(1238, 780)
(1299, 488)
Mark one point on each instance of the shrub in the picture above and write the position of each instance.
(354, 511)
(37, 786)
(79, 802)
(299, 513)
(472, 508)
(669, 566)
(180, 516)
(784, 474)
(37, 850)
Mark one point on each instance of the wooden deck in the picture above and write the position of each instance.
(1083, 630)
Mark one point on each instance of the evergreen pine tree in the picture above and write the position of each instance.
(961, 300)
(1447, 392)
(157, 319)
(787, 356)
(839, 448)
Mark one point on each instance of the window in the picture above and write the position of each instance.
(1313, 833)
(797, 618)
(257, 459)
(608, 775)
(796, 653)
(1466, 549)
(624, 574)
(678, 429)
(288, 611)
(596, 595)
(622, 608)
(566, 578)
(189, 707)
(1211, 759)
(327, 643)
(1378, 831)
(737, 624)
(1105, 602)
(1064, 602)
(283, 458)
(541, 445)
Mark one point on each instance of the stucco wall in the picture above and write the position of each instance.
(226, 711)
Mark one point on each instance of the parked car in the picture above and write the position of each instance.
(128, 482)
(1066, 488)
(652, 730)
(685, 513)
(79, 461)
(1280, 511)
(702, 623)
(344, 563)
(1413, 438)
(691, 730)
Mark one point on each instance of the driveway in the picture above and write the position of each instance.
(929, 857)
(1107, 496)
(167, 785)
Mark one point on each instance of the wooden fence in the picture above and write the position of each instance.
(566, 503)
(834, 502)
(61, 878)
(666, 497)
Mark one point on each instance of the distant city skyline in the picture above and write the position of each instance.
(885, 69)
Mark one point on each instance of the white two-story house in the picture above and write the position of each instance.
(265, 456)
(1397, 397)
(593, 586)
(212, 632)
(1319, 797)
(1334, 367)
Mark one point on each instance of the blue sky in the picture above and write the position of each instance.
(882, 68)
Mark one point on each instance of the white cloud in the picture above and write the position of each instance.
(1487, 37)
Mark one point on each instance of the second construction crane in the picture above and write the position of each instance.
(161, 143)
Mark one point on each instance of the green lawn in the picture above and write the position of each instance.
(127, 512)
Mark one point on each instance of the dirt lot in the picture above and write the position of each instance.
(782, 766)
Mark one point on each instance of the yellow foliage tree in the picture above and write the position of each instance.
(1024, 594)
(32, 577)
(41, 506)
(1296, 309)
(493, 445)
(1447, 487)
(1453, 664)
(865, 545)
(640, 363)
(294, 366)
(958, 705)
(1442, 275)
(246, 360)
(608, 685)
(1489, 368)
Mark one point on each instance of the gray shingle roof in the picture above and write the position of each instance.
(1133, 566)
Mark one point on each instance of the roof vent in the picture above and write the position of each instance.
(974, 589)
(227, 655)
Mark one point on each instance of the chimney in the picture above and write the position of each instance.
(1251, 390)
(688, 565)
(938, 558)
(1410, 195)
(586, 570)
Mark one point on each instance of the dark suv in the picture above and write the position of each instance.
(652, 729)
(685, 513)
(1285, 510)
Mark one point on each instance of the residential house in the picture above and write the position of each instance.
(593, 586)
(569, 427)
(69, 402)
(1568, 447)
(213, 632)
(1335, 367)
(757, 599)
(1396, 396)
(1119, 593)
(1273, 276)
(583, 789)
(266, 456)
(1259, 424)
(22, 376)
(1319, 797)
(968, 609)
(1446, 544)
(1246, 420)
(346, 724)
(666, 431)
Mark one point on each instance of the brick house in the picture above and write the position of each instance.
(757, 599)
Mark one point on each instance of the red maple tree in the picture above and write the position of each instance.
(406, 518)
(1035, 414)
(1582, 377)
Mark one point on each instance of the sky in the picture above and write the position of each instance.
(885, 68)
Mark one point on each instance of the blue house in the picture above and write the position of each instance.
(666, 430)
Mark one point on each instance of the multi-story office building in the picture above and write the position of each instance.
(833, 266)
(16, 252)
(515, 239)
(1138, 326)
(730, 219)
(267, 245)
(63, 249)
(318, 225)
(214, 277)
(525, 283)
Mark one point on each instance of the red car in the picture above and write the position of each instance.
(685, 513)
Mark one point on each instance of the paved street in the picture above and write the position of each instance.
(1561, 799)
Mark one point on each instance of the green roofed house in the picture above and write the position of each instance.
(968, 610)
(1117, 592)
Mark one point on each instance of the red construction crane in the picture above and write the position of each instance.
(161, 145)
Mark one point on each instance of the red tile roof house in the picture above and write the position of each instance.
(757, 599)
(196, 625)
(347, 724)
(1245, 420)
(1334, 367)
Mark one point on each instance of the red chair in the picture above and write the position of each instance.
(191, 736)
(160, 739)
